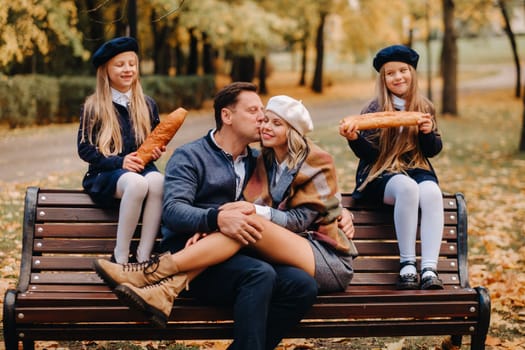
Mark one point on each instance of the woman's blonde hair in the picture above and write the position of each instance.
(399, 150)
(99, 114)
(297, 149)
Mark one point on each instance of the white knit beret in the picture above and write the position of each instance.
(293, 111)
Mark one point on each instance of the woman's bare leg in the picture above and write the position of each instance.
(208, 251)
(282, 246)
(277, 245)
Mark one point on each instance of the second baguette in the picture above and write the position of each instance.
(379, 120)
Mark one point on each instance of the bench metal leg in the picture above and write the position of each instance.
(28, 345)
(452, 342)
(456, 340)
(10, 340)
(478, 339)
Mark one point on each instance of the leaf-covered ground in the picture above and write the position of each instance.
(480, 159)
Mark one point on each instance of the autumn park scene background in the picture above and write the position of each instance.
(317, 51)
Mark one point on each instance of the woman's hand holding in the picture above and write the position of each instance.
(193, 239)
(132, 163)
(346, 223)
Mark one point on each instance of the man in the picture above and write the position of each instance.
(200, 177)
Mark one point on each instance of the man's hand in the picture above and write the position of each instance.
(242, 227)
(242, 206)
(346, 223)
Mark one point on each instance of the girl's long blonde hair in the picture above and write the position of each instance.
(99, 114)
(297, 149)
(399, 150)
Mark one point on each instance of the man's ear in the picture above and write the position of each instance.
(226, 116)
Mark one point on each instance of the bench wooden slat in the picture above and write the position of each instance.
(62, 214)
(91, 278)
(85, 263)
(119, 313)
(101, 230)
(449, 203)
(68, 198)
(391, 278)
(39, 294)
(108, 230)
(388, 232)
(176, 331)
(75, 246)
(66, 278)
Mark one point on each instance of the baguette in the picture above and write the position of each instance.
(162, 134)
(387, 119)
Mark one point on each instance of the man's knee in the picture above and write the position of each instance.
(297, 283)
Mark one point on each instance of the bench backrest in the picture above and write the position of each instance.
(64, 231)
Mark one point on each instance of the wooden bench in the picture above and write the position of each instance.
(59, 297)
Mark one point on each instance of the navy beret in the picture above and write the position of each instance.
(397, 53)
(111, 48)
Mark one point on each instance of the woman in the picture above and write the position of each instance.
(293, 189)
(394, 167)
(114, 121)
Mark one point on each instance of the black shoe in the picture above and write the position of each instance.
(407, 280)
(431, 282)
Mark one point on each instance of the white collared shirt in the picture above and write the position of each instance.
(399, 103)
(121, 98)
(238, 167)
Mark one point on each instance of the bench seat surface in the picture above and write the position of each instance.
(64, 232)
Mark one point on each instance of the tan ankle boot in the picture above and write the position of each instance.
(155, 300)
(136, 274)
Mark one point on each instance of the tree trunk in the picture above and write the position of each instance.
(450, 61)
(193, 59)
(120, 25)
(510, 34)
(179, 54)
(132, 18)
(522, 140)
(95, 29)
(243, 68)
(161, 50)
(317, 84)
(304, 58)
(208, 55)
(263, 89)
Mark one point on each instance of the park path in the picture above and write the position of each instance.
(35, 153)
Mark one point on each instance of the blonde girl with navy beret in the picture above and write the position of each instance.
(394, 166)
(114, 122)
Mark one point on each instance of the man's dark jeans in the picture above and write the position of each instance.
(268, 300)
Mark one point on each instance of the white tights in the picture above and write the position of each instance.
(133, 190)
(407, 196)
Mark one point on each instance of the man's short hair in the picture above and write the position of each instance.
(228, 96)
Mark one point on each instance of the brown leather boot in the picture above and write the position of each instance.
(154, 301)
(136, 274)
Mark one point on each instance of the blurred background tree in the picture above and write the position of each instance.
(238, 38)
